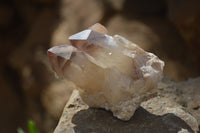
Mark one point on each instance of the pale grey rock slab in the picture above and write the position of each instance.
(157, 115)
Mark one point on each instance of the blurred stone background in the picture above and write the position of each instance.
(28, 87)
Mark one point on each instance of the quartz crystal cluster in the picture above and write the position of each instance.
(109, 71)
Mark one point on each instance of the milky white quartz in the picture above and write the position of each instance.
(109, 71)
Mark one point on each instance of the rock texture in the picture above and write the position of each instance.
(189, 96)
(186, 93)
(156, 115)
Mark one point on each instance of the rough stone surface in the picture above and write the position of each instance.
(189, 96)
(162, 106)
(185, 93)
(161, 114)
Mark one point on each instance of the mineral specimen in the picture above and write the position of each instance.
(109, 71)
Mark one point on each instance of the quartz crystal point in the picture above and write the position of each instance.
(109, 71)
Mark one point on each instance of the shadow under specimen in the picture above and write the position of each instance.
(101, 121)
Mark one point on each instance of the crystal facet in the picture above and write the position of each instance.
(109, 71)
